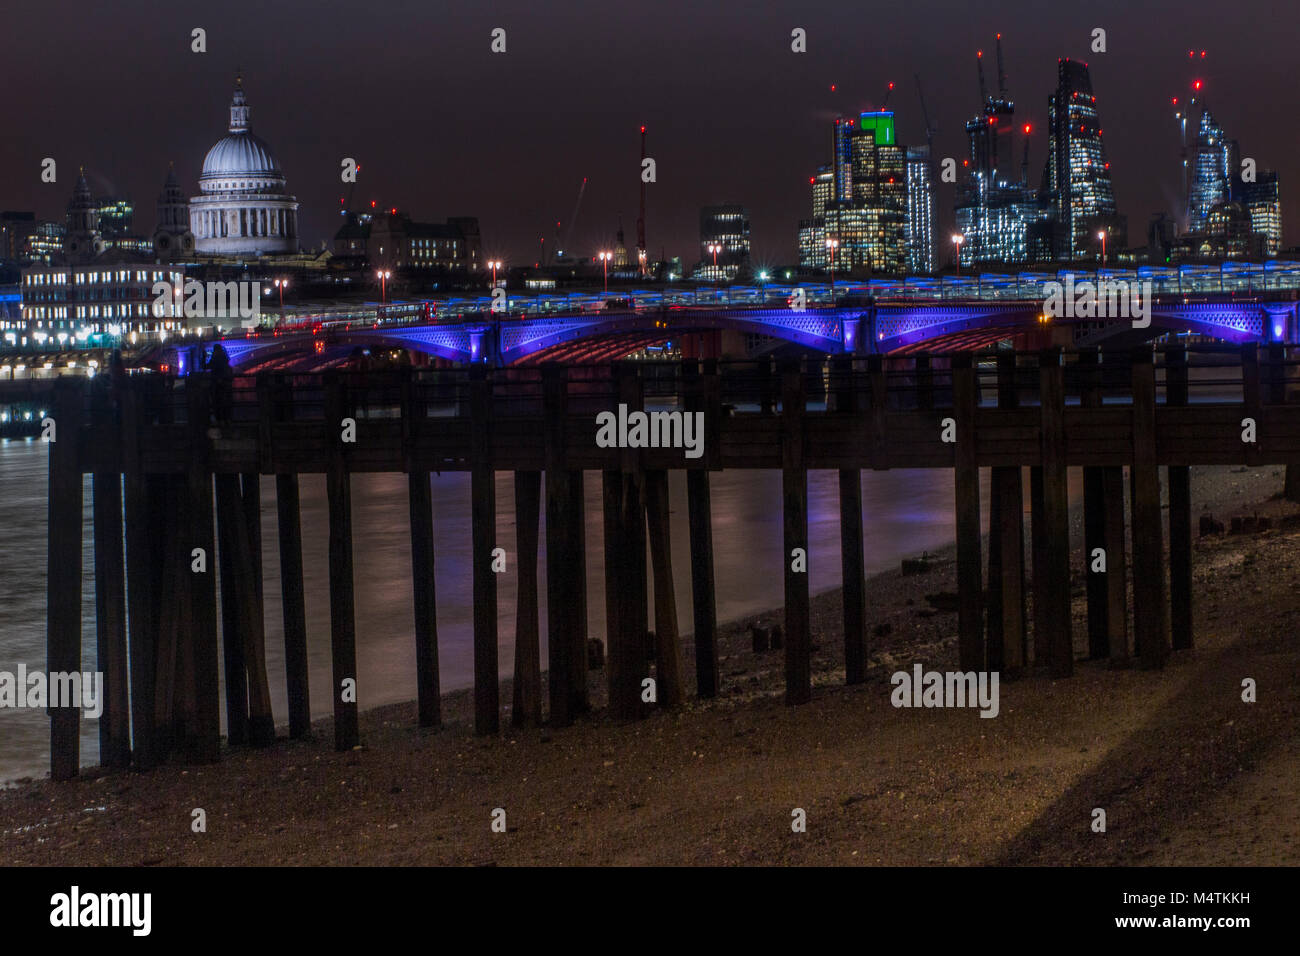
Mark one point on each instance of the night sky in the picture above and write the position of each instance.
(443, 127)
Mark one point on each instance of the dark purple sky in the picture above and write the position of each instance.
(444, 127)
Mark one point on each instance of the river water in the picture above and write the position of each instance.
(905, 513)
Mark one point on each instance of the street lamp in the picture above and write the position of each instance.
(494, 265)
(715, 248)
(604, 259)
(282, 284)
(832, 245)
(383, 277)
(957, 240)
(1102, 236)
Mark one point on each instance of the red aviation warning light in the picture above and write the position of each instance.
(1026, 129)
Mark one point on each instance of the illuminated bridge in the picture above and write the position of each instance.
(852, 326)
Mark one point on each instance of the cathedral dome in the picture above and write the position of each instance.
(245, 208)
(240, 154)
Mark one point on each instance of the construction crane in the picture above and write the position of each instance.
(888, 92)
(979, 63)
(930, 130)
(1002, 74)
(573, 219)
(642, 258)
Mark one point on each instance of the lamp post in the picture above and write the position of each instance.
(383, 277)
(604, 259)
(494, 265)
(282, 284)
(1102, 236)
(715, 248)
(957, 240)
(832, 245)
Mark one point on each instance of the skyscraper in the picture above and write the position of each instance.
(1077, 176)
(920, 211)
(865, 208)
(1264, 204)
(726, 228)
(1253, 224)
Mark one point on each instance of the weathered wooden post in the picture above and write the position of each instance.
(527, 703)
(140, 578)
(1098, 583)
(798, 640)
(1150, 625)
(1007, 651)
(261, 722)
(483, 517)
(1053, 587)
(110, 582)
(292, 595)
(561, 619)
(668, 664)
(852, 564)
(701, 395)
(1180, 512)
(420, 500)
(343, 634)
(63, 575)
(205, 742)
(970, 572)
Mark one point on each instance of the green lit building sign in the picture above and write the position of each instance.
(882, 124)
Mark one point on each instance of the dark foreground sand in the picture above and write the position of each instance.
(1186, 771)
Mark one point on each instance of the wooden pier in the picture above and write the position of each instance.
(177, 464)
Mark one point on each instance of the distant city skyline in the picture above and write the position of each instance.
(443, 127)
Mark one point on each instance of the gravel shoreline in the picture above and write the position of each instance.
(1173, 755)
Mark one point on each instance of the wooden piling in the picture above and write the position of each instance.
(966, 478)
(852, 563)
(1180, 513)
(1055, 589)
(229, 515)
(575, 514)
(700, 521)
(1150, 625)
(110, 592)
(668, 653)
(423, 588)
(1094, 522)
(561, 620)
(1007, 634)
(798, 639)
(526, 710)
(204, 646)
(483, 519)
(343, 635)
(261, 722)
(136, 412)
(63, 575)
(624, 664)
(292, 597)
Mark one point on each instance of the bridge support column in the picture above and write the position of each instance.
(798, 641)
(1150, 625)
(1007, 652)
(970, 573)
(1180, 513)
